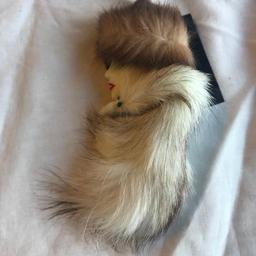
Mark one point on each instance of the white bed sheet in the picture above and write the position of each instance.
(49, 78)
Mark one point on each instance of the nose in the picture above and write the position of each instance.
(108, 75)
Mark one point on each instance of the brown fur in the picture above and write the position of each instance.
(144, 34)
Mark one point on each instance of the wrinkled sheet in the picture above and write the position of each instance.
(49, 78)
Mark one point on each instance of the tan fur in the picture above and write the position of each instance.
(134, 176)
(144, 34)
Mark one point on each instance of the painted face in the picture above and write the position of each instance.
(113, 81)
(123, 82)
(128, 86)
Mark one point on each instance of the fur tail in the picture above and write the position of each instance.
(144, 34)
(133, 178)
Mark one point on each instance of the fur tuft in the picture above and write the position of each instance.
(144, 34)
(134, 177)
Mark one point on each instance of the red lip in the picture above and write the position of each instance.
(110, 86)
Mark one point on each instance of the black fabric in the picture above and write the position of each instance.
(202, 62)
